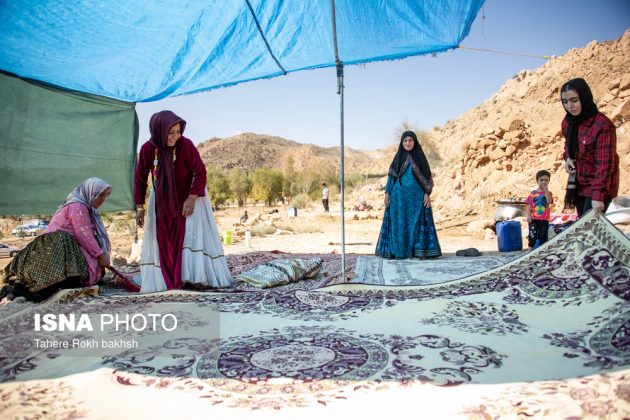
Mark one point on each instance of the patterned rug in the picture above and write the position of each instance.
(330, 274)
(409, 272)
(238, 264)
(544, 335)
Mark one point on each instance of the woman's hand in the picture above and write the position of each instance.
(598, 206)
(427, 201)
(103, 260)
(386, 200)
(569, 165)
(140, 217)
(189, 205)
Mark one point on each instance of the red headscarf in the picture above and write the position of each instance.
(166, 201)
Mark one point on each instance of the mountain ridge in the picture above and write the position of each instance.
(251, 151)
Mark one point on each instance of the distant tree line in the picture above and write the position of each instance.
(271, 186)
(299, 185)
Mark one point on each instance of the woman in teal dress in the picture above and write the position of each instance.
(408, 229)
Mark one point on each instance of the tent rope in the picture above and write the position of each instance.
(544, 57)
(262, 35)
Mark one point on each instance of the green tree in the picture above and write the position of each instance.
(288, 171)
(218, 186)
(267, 185)
(240, 185)
(305, 182)
(355, 180)
(309, 180)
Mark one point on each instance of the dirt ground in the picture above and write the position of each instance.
(312, 231)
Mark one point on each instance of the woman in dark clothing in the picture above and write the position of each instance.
(408, 229)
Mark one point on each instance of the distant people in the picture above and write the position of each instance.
(408, 229)
(244, 217)
(590, 150)
(181, 241)
(71, 253)
(325, 195)
(539, 203)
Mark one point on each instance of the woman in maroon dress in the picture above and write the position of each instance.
(178, 178)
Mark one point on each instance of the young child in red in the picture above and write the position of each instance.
(539, 204)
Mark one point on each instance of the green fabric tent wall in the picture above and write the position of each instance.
(52, 139)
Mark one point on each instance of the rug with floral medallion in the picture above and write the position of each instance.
(544, 335)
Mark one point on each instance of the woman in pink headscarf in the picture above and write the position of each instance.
(181, 241)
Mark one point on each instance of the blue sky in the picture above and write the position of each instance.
(424, 91)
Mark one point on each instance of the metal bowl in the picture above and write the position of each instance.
(510, 210)
(621, 202)
(619, 210)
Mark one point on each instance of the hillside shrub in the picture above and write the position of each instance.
(240, 185)
(300, 227)
(261, 229)
(301, 201)
(354, 180)
(218, 186)
(267, 185)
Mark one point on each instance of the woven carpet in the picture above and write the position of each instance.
(241, 263)
(544, 335)
(409, 272)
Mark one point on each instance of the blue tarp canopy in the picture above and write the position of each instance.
(71, 71)
(143, 50)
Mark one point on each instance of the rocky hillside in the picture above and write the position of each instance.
(250, 151)
(494, 150)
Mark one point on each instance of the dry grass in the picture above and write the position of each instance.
(300, 227)
(262, 230)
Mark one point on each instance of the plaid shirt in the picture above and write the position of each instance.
(597, 160)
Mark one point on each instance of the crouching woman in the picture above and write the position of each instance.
(71, 253)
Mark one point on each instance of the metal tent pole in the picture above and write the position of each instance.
(342, 174)
(341, 151)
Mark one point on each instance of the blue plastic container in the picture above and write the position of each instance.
(509, 236)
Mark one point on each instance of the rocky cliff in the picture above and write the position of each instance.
(494, 150)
